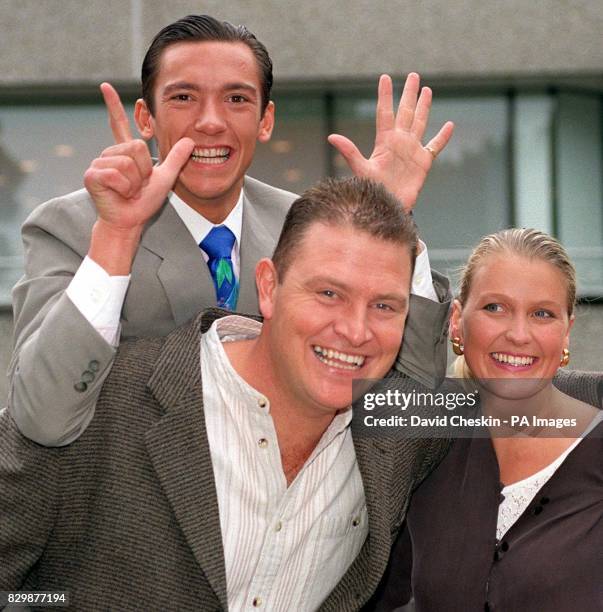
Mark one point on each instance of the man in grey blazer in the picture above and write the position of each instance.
(219, 470)
(117, 259)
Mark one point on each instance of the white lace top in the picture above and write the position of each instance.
(517, 496)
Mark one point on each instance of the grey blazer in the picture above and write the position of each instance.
(60, 362)
(127, 518)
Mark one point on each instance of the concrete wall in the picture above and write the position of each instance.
(85, 41)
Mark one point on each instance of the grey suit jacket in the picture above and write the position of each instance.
(56, 349)
(127, 518)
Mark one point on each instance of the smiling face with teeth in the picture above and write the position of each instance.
(515, 320)
(337, 314)
(210, 92)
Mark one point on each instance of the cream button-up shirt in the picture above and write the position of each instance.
(285, 548)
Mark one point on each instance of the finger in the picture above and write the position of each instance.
(385, 104)
(99, 180)
(419, 122)
(171, 166)
(135, 149)
(408, 102)
(118, 120)
(350, 152)
(123, 164)
(441, 139)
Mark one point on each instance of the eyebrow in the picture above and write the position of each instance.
(396, 297)
(501, 297)
(186, 86)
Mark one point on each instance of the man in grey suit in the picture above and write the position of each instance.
(219, 470)
(117, 259)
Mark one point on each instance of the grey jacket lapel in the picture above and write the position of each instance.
(375, 462)
(182, 272)
(179, 451)
(256, 242)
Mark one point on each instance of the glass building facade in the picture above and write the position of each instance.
(526, 158)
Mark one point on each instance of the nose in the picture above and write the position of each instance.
(211, 118)
(353, 325)
(518, 332)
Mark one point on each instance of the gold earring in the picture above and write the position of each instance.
(457, 347)
(565, 357)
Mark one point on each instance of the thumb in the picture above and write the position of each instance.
(349, 152)
(171, 166)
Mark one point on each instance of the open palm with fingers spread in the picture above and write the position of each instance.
(399, 160)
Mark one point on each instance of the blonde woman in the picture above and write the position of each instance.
(512, 522)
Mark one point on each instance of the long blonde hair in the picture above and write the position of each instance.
(528, 243)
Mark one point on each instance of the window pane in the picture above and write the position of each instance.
(579, 187)
(44, 151)
(295, 157)
(466, 195)
(533, 163)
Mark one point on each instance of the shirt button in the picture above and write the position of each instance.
(356, 521)
(278, 526)
(257, 602)
(262, 443)
(262, 402)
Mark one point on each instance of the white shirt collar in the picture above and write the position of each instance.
(236, 327)
(199, 226)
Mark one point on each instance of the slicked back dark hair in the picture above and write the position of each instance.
(203, 28)
(358, 203)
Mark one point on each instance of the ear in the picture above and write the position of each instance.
(266, 280)
(144, 120)
(566, 340)
(456, 322)
(266, 123)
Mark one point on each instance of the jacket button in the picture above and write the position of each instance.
(94, 365)
(537, 510)
(544, 500)
(80, 387)
(87, 376)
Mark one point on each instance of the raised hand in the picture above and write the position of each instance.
(399, 160)
(125, 186)
(127, 189)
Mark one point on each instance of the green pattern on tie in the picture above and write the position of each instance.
(223, 272)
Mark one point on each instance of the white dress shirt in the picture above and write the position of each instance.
(100, 297)
(285, 548)
(199, 226)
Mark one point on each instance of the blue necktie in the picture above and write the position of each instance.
(218, 246)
